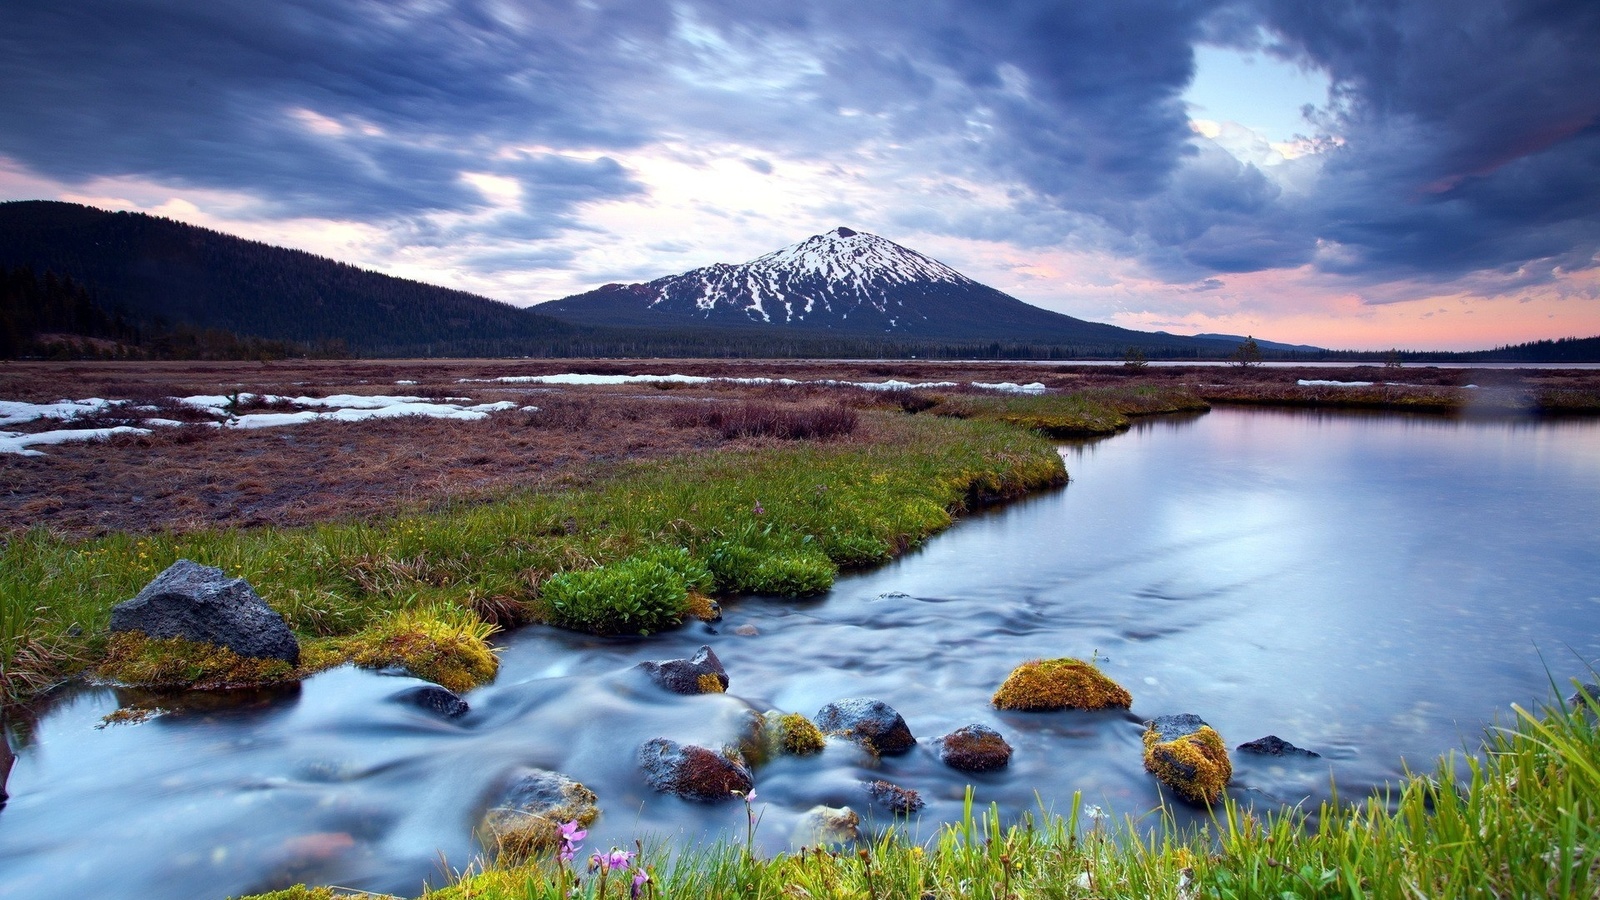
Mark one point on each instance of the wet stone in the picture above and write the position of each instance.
(823, 826)
(693, 773)
(896, 799)
(974, 748)
(1272, 745)
(435, 699)
(529, 813)
(699, 674)
(1188, 756)
(870, 722)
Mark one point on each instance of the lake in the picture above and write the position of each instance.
(1378, 588)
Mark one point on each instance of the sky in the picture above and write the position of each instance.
(1346, 173)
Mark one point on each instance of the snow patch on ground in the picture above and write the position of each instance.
(338, 408)
(15, 442)
(1005, 387)
(1315, 382)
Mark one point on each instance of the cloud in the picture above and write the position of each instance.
(1460, 143)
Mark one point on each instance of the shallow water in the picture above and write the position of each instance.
(1376, 588)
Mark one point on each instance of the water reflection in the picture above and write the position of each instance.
(1371, 587)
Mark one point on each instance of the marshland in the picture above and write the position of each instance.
(1373, 563)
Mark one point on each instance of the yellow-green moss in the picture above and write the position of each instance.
(704, 608)
(1196, 765)
(1047, 684)
(798, 736)
(709, 683)
(133, 658)
(301, 892)
(446, 647)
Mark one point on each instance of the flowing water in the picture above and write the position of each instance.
(1377, 588)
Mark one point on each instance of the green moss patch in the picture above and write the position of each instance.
(447, 647)
(134, 659)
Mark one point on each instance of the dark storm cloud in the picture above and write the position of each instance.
(1472, 132)
(362, 110)
(1469, 128)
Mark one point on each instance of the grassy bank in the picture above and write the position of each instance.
(1520, 819)
(1082, 413)
(781, 518)
(1445, 399)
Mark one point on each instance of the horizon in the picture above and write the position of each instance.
(1343, 178)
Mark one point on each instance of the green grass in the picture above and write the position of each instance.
(1521, 818)
(1085, 413)
(780, 519)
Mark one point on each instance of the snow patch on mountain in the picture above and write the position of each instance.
(831, 275)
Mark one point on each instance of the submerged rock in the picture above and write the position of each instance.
(1272, 745)
(1187, 756)
(1578, 700)
(822, 826)
(693, 773)
(872, 723)
(435, 699)
(896, 799)
(528, 815)
(974, 748)
(202, 604)
(699, 674)
(1050, 684)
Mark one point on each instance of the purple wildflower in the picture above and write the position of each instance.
(759, 510)
(640, 879)
(571, 835)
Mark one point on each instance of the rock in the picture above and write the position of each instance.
(896, 799)
(1577, 701)
(873, 723)
(435, 699)
(821, 826)
(200, 603)
(1187, 756)
(693, 773)
(975, 748)
(1272, 745)
(699, 674)
(1051, 684)
(527, 817)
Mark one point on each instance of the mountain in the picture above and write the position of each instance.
(851, 282)
(159, 273)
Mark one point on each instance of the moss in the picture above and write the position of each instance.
(798, 736)
(130, 715)
(446, 647)
(701, 607)
(1048, 684)
(1195, 765)
(133, 658)
(709, 683)
(301, 892)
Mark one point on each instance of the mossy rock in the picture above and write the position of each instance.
(529, 815)
(1066, 683)
(1188, 756)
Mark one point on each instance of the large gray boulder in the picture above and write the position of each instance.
(202, 604)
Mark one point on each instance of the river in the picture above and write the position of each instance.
(1377, 588)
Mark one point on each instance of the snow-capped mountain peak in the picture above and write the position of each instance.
(844, 281)
(843, 255)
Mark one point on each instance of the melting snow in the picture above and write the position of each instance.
(338, 408)
(1004, 387)
(13, 412)
(1313, 382)
(14, 442)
